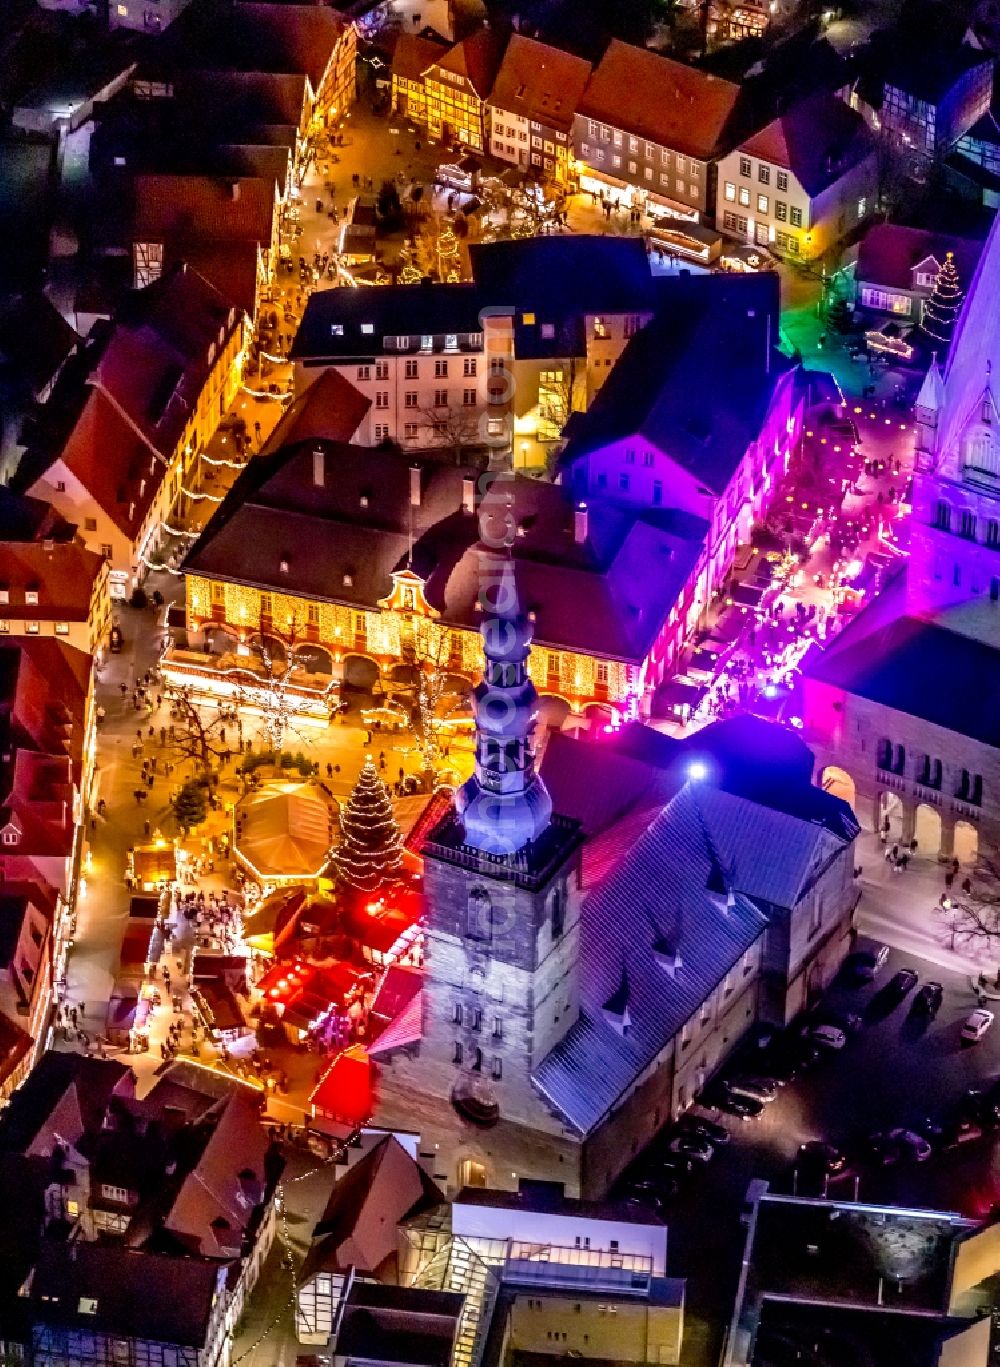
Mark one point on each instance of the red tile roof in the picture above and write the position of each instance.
(657, 98)
(413, 54)
(540, 82)
(818, 140)
(889, 252)
(299, 37)
(477, 59)
(63, 574)
(202, 209)
(144, 389)
(330, 408)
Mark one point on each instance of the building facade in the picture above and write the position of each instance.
(657, 149)
(897, 267)
(921, 763)
(122, 468)
(802, 183)
(531, 109)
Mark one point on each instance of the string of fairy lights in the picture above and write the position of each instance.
(288, 1258)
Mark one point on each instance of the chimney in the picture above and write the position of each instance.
(415, 486)
(468, 494)
(319, 468)
(580, 517)
(235, 188)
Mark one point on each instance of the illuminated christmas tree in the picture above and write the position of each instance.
(941, 309)
(371, 846)
(449, 259)
(409, 274)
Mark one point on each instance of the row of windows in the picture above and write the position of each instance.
(928, 771)
(477, 1060)
(966, 524)
(763, 173)
(426, 340)
(33, 628)
(680, 187)
(637, 147)
(624, 483)
(782, 212)
(473, 1018)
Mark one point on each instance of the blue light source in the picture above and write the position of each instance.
(770, 691)
(697, 770)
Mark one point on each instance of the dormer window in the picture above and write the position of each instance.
(367, 329)
(364, 500)
(31, 597)
(4, 595)
(348, 581)
(426, 343)
(283, 566)
(11, 833)
(451, 341)
(336, 329)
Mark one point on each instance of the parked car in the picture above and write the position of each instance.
(913, 1146)
(705, 1129)
(763, 1089)
(901, 983)
(746, 1107)
(827, 1155)
(865, 964)
(880, 1149)
(828, 1036)
(950, 1135)
(653, 1192)
(848, 1021)
(692, 1146)
(927, 1001)
(980, 1107)
(976, 1025)
(815, 1164)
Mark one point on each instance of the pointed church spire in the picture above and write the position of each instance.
(505, 805)
(931, 395)
(974, 348)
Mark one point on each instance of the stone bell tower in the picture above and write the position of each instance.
(501, 878)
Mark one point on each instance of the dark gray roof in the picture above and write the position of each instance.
(399, 1324)
(629, 570)
(434, 310)
(919, 668)
(93, 1081)
(655, 906)
(556, 276)
(551, 1198)
(697, 381)
(135, 1295)
(927, 70)
(557, 281)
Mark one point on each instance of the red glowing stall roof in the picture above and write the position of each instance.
(305, 990)
(378, 923)
(345, 1092)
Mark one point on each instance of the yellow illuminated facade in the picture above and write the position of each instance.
(388, 635)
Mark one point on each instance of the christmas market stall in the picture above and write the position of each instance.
(283, 831)
(344, 1098)
(151, 867)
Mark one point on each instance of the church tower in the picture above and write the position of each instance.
(953, 575)
(504, 806)
(501, 880)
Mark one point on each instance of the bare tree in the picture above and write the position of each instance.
(432, 653)
(194, 738)
(974, 907)
(454, 428)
